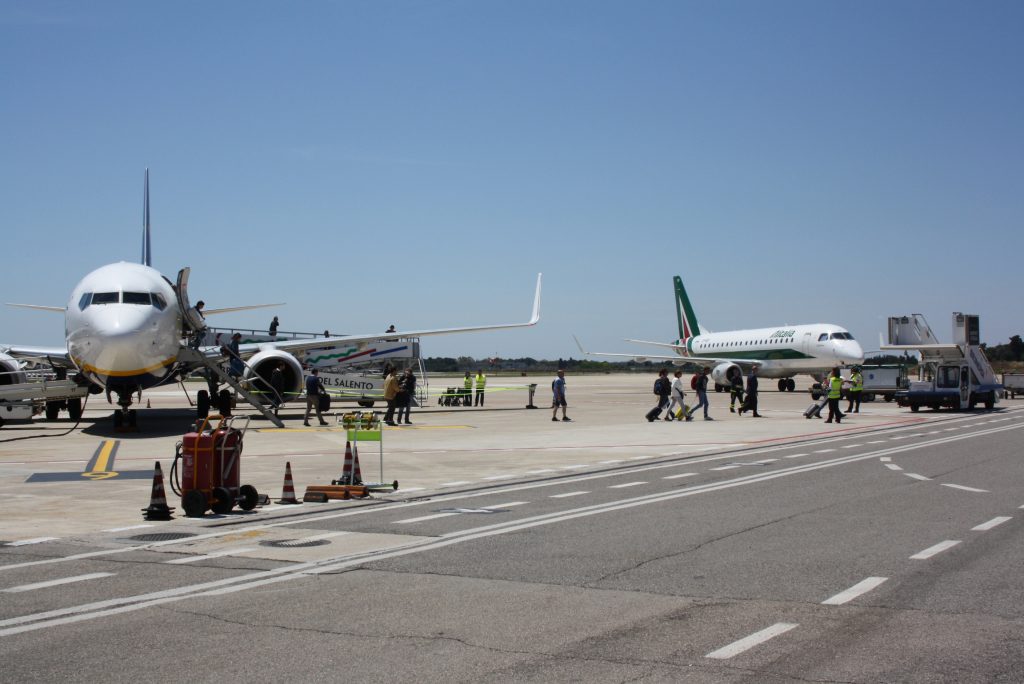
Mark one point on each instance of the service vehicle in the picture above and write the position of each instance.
(1013, 384)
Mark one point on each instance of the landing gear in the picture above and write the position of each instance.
(787, 385)
(75, 409)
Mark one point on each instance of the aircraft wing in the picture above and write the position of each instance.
(39, 307)
(677, 358)
(229, 309)
(55, 356)
(246, 350)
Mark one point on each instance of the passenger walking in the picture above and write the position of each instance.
(751, 402)
(314, 388)
(835, 392)
(558, 397)
(408, 387)
(662, 388)
(678, 396)
(236, 366)
(856, 387)
(277, 386)
(481, 382)
(735, 390)
(701, 386)
(390, 396)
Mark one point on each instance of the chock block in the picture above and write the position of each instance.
(315, 497)
(340, 491)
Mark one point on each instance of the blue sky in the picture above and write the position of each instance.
(418, 163)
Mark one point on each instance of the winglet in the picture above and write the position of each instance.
(580, 345)
(536, 303)
(147, 254)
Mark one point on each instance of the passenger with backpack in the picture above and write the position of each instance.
(662, 388)
(558, 397)
(700, 384)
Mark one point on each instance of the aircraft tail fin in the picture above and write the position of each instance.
(687, 319)
(147, 254)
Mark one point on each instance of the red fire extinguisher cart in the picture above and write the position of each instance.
(210, 468)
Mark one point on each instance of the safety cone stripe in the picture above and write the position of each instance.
(158, 508)
(288, 491)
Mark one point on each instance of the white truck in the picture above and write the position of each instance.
(883, 380)
(955, 376)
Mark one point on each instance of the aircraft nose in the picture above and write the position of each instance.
(852, 353)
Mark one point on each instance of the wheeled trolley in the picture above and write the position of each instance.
(211, 468)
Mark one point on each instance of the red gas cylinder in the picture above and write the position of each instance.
(197, 461)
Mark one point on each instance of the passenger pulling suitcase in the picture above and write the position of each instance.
(814, 410)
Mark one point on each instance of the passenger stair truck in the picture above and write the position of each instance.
(957, 375)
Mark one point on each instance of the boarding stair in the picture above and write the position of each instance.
(199, 358)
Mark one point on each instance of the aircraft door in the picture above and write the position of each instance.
(806, 344)
(192, 318)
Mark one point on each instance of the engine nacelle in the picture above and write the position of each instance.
(723, 373)
(257, 373)
(10, 371)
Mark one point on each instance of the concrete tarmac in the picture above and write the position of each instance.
(60, 481)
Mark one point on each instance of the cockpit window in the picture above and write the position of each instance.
(106, 298)
(158, 301)
(822, 337)
(841, 336)
(83, 303)
(137, 298)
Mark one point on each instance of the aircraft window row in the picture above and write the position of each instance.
(779, 340)
(154, 299)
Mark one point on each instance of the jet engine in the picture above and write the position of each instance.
(723, 373)
(10, 371)
(257, 373)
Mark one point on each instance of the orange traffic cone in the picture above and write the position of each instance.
(350, 467)
(158, 509)
(147, 404)
(357, 476)
(288, 492)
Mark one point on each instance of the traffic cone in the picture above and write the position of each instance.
(288, 493)
(351, 466)
(358, 479)
(158, 509)
(147, 404)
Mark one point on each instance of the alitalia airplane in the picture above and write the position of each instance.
(780, 352)
(126, 326)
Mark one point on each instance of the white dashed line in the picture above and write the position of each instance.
(499, 477)
(567, 494)
(540, 472)
(862, 587)
(454, 484)
(877, 441)
(885, 459)
(850, 446)
(26, 542)
(576, 466)
(207, 556)
(916, 476)
(823, 451)
(676, 477)
(130, 527)
(746, 643)
(614, 460)
(728, 467)
(966, 489)
(933, 550)
(795, 455)
(426, 517)
(626, 484)
(983, 527)
(767, 460)
(54, 583)
(893, 466)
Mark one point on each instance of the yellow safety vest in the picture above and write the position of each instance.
(468, 382)
(858, 382)
(481, 380)
(835, 388)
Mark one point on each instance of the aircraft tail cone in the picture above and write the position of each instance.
(158, 508)
(288, 492)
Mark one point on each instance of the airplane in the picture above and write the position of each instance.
(126, 325)
(780, 352)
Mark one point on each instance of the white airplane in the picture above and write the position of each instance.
(126, 328)
(780, 352)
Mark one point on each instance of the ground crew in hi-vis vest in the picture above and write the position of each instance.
(835, 391)
(467, 390)
(856, 387)
(481, 382)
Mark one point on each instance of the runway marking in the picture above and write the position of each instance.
(893, 466)
(540, 472)
(850, 446)
(916, 476)
(454, 484)
(567, 495)
(885, 459)
(422, 518)
(823, 451)
(934, 550)
(795, 455)
(57, 582)
(406, 490)
(725, 467)
(966, 489)
(862, 587)
(208, 556)
(36, 540)
(446, 514)
(767, 460)
(676, 477)
(985, 526)
(877, 441)
(626, 484)
(130, 527)
(614, 460)
(639, 458)
(499, 477)
(575, 466)
(747, 643)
